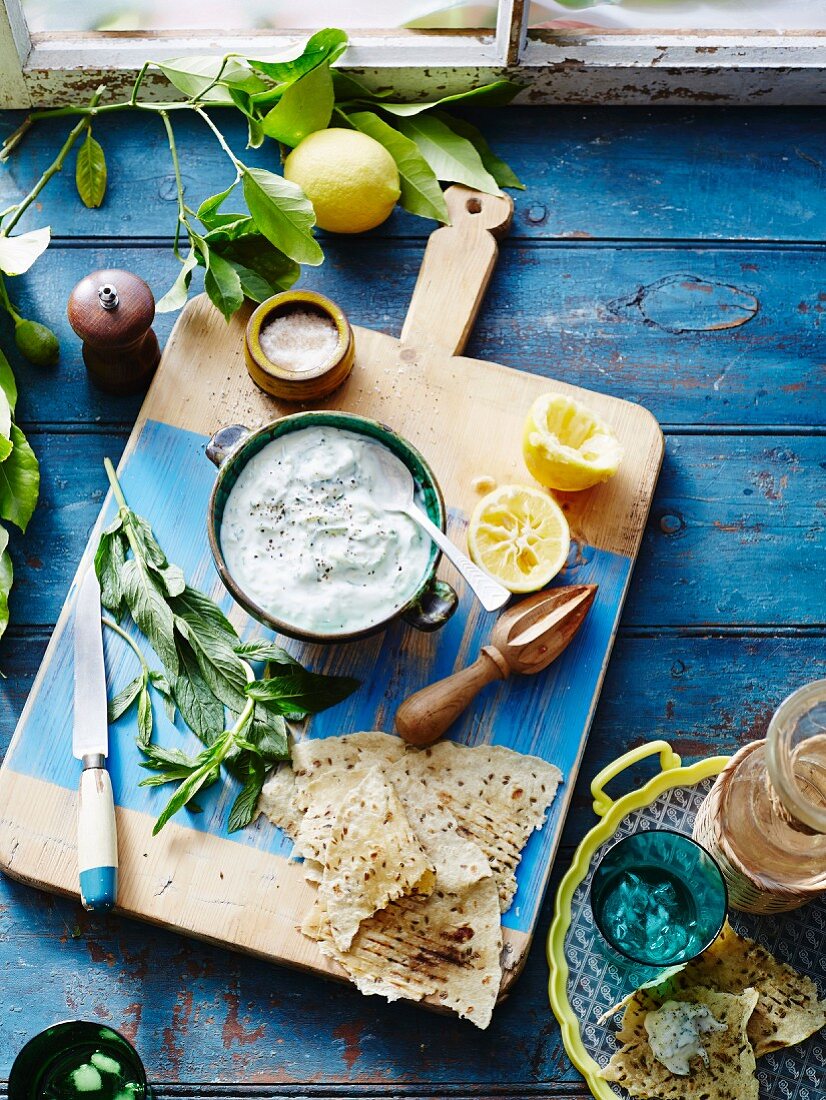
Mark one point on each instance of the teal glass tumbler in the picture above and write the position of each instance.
(75, 1060)
(658, 898)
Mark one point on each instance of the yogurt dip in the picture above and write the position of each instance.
(302, 535)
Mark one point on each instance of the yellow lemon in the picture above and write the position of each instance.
(520, 536)
(351, 180)
(568, 447)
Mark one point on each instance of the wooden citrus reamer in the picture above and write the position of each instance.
(525, 639)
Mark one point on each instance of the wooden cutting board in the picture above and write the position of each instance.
(466, 415)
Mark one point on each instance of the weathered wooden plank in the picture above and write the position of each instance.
(623, 173)
(735, 520)
(711, 336)
(201, 1014)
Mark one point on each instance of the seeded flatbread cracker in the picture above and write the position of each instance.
(277, 801)
(730, 1073)
(337, 763)
(497, 797)
(372, 857)
(788, 1008)
(446, 945)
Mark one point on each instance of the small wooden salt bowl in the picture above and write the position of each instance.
(293, 385)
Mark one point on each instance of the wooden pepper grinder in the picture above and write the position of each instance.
(112, 312)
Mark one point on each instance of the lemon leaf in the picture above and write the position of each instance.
(497, 93)
(420, 190)
(7, 382)
(193, 75)
(90, 172)
(283, 213)
(6, 578)
(17, 254)
(19, 481)
(501, 172)
(305, 106)
(325, 45)
(5, 427)
(223, 286)
(178, 293)
(451, 156)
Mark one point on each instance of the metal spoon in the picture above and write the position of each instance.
(396, 492)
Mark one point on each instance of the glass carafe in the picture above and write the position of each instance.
(764, 819)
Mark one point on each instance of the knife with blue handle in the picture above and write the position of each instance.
(97, 842)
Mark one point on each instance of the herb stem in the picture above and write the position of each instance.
(129, 641)
(54, 167)
(239, 167)
(5, 302)
(121, 499)
(173, 149)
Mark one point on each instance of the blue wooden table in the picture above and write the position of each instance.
(670, 257)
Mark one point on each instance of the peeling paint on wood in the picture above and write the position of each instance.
(689, 303)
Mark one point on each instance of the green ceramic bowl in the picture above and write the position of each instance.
(230, 449)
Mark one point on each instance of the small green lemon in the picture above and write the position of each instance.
(37, 342)
(351, 180)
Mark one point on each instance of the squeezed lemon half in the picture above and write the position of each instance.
(519, 535)
(568, 447)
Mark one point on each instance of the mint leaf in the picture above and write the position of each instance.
(199, 708)
(265, 651)
(420, 190)
(196, 608)
(90, 172)
(144, 718)
(501, 172)
(110, 558)
(147, 603)
(223, 286)
(300, 692)
(451, 156)
(283, 213)
(305, 106)
(125, 698)
(245, 805)
(19, 481)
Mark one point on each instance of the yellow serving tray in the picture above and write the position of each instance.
(611, 812)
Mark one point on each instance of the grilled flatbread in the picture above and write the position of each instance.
(729, 1073)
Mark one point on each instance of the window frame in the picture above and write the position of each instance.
(575, 67)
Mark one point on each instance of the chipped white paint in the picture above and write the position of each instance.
(554, 66)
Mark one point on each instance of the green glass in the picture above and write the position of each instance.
(658, 898)
(78, 1060)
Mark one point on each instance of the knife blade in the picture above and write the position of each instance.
(97, 841)
(90, 735)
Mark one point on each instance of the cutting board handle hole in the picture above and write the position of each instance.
(473, 206)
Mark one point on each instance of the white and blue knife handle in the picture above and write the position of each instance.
(97, 838)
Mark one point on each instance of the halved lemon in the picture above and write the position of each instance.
(520, 536)
(568, 447)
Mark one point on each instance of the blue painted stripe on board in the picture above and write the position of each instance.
(168, 479)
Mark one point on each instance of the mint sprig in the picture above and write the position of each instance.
(206, 673)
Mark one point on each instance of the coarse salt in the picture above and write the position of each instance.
(299, 340)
